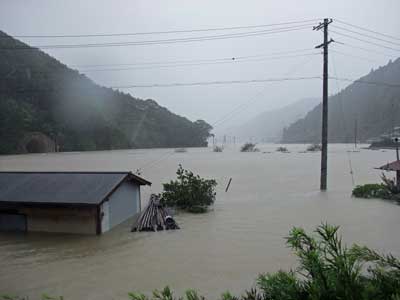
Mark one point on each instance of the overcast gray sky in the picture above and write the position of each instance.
(213, 102)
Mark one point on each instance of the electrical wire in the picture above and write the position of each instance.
(222, 82)
(160, 42)
(366, 35)
(164, 32)
(364, 41)
(366, 82)
(363, 49)
(192, 60)
(368, 30)
(226, 61)
(339, 95)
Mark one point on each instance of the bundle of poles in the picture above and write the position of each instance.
(155, 217)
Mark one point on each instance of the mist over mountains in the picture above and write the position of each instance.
(373, 103)
(268, 126)
(44, 106)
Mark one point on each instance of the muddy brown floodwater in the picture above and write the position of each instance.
(221, 250)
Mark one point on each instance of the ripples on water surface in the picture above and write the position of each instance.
(223, 249)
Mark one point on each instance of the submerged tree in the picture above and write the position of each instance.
(189, 192)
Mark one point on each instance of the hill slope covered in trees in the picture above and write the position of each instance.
(41, 97)
(374, 107)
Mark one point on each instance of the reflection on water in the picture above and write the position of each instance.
(224, 249)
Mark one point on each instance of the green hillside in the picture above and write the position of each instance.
(374, 107)
(43, 102)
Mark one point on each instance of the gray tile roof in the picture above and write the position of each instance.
(61, 187)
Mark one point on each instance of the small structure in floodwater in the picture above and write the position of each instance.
(68, 202)
(395, 165)
(155, 217)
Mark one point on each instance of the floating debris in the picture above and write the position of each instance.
(155, 217)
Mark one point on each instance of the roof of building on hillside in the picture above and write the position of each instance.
(62, 187)
(393, 166)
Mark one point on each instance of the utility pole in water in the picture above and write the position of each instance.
(324, 139)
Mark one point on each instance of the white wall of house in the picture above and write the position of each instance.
(121, 205)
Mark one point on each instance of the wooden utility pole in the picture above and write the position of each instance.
(324, 139)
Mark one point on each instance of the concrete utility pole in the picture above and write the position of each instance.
(324, 139)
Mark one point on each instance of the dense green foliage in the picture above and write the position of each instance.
(189, 192)
(371, 190)
(327, 270)
(40, 94)
(386, 190)
(376, 108)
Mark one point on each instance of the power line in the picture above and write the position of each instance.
(368, 30)
(339, 94)
(245, 104)
(228, 61)
(364, 49)
(366, 35)
(214, 82)
(235, 58)
(163, 32)
(365, 41)
(160, 42)
(367, 82)
(354, 56)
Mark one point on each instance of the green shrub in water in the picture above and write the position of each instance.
(189, 192)
(371, 190)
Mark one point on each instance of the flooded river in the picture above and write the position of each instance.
(224, 249)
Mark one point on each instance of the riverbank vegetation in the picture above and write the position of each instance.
(387, 190)
(189, 192)
(327, 270)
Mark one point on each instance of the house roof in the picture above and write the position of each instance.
(62, 187)
(393, 166)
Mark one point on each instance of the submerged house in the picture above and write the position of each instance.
(69, 202)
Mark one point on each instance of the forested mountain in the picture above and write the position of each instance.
(373, 106)
(268, 126)
(46, 105)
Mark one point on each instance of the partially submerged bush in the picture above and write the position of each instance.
(189, 192)
(371, 190)
(282, 149)
(218, 148)
(249, 147)
(314, 148)
(385, 190)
